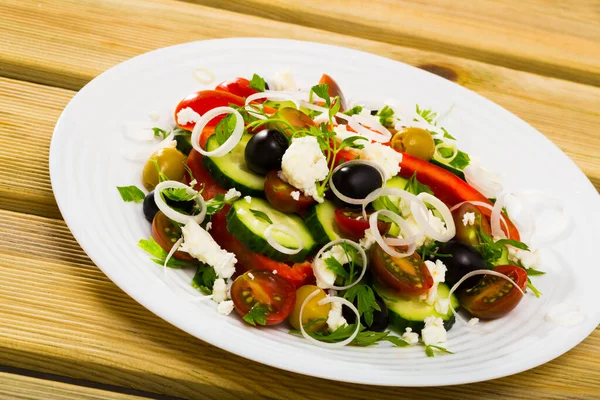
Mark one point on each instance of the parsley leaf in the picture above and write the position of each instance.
(334, 265)
(322, 91)
(131, 193)
(363, 339)
(385, 116)
(256, 315)
(447, 135)
(461, 160)
(534, 272)
(415, 187)
(429, 350)
(204, 278)
(151, 247)
(427, 115)
(513, 243)
(178, 194)
(261, 215)
(365, 301)
(160, 133)
(351, 142)
(354, 110)
(334, 108)
(257, 83)
(225, 128)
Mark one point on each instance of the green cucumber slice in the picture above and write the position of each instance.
(320, 221)
(382, 203)
(410, 312)
(231, 171)
(247, 222)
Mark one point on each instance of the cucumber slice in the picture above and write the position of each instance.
(249, 229)
(383, 202)
(231, 171)
(320, 221)
(410, 312)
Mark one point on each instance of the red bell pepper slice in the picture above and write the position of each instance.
(206, 100)
(238, 86)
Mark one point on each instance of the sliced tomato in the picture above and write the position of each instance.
(166, 233)
(206, 100)
(295, 118)
(298, 274)
(346, 154)
(204, 181)
(259, 288)
(334, 90)
(468, 233)
(279, 195)
(493, 297)
(353, 226)
(238, 86)
(409, 276)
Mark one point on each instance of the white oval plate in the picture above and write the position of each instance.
(87, 162)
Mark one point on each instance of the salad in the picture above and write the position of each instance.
(350, 224)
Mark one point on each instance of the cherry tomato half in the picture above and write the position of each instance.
(166, 233)
(238, 86)
(206, 100)
(467, 234)
(295, 118)
(494, 297)
(264, 289)
(279, 195)
(334, 90)
(353, 226)
(409, 276)
(204, 181)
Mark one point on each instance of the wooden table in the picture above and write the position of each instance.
(68, 332)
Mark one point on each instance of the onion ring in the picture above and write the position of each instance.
(176, 215)
(230, 143)
(336, 242)
(285, 229)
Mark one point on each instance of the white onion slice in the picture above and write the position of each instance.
(423, 219)
(445, 145)
(384, 243)
(326, 301)
(253, 112)
(375, 132)
(176, 215)
(486, 182)
(285, 229)
(484, 205)
(361, 251)
(273, 94)
(314, 107)
(351, 200)
(495, 218)
(198, 75)
(230, 143)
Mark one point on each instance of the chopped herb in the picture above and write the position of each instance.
(429, 350)
(415, 187)
(131, 193)
(354, 110)
(159, 255)
(534, 272)
(461, 160)
(513, 243)
(389, 205)
(261, 215)
(217, 203)
(447, 135)
(427, 115)
(204, 278)
(334, 108)
(257, 83)
(365, 301)
(160, 133)
(256, 315)
(533, 288)
(363, 339)
(335, 266)
(178, 194)
(386, 115)
(161, 175)
(322, 91)
(225, 128)
(351, 142)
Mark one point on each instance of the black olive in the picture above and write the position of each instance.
(266, 86)
(380, 318)
(374, 112)
(462, 260)
(150, 207)
(357, 181)
(265, 150)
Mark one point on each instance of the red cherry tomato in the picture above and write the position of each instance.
(467, 234)
(409, 276)
(204, 181)
(238, 86)
(494, 297)
(334, 90)
(166, 233)
(206, 100)
(353, 226)
(264, 289)
(279, 195)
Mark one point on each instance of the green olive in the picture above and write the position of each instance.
(418, 142)
(397, 142)
(171, 163)
(312, 309)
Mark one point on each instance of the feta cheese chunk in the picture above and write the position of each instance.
(225, 307)
(468, 218)
(283, 80)
(248, 199)
(473, 321)
(295, 195)
(232, 194)
(410, 337)
(368, 240)
(384, 156)
(434, 331)
(325, 276)
(200, 245)
(442, 306)
(303, 164)
(219, 290)
(438, 273)
(529, 259)
(335, 318)
(186, 116)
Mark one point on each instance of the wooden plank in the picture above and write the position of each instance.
(17, 387)
(61, 315)
(539, 36)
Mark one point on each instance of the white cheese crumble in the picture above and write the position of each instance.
(335, 318)
(295, 195)
(187, 115)
(433, 332)
(200, 245)
(225, 307)
(384, 156)
(250, 275)
(232, 194)
(219, 290)
(208, 226)
(283, 80)
(438, 273)
(473, 321)
(274, 272)
(368, 240)
(248, 199)
(442, 306)
(325, 276)
(468, 218)
(410, 337)
(193, 183)
(303, 164)
(529, 259)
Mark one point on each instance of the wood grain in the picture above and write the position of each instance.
(544, 37)
(61, 315)
(17, 387)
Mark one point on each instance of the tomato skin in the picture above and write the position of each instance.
(206, 100)
(238, 86)
(264, 289)
(409, 276)
(203, 178)
(354, 228)
(334, 90)
(279, 195)
(295, 118)
(467, 234)
(485, 299)
(164, 232)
